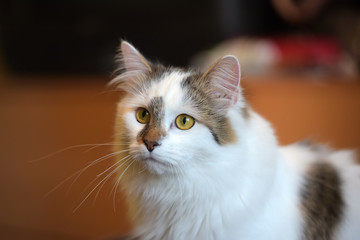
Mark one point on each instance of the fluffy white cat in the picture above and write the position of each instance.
(196, 162)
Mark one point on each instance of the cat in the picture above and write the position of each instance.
(196, 162)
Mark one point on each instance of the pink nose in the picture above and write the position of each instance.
(150, 145)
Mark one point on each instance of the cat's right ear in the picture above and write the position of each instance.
(131, 60)
(224, 79)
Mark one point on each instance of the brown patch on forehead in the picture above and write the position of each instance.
(156, 108)
(220, 126)
(153, 130)
(321, 202)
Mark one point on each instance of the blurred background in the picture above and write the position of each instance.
(300, 65)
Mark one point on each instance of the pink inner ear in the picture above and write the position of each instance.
(234, 68)
(133, 60)
(225, 77)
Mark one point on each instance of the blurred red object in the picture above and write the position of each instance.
(305, 51)
(297, 54)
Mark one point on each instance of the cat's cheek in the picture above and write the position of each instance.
(193, 142)
(132, 126)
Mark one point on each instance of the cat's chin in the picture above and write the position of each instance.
(155, 165)
(153, 160)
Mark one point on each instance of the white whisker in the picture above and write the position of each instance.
(98, 175)
(125, 161)
(97, 185)
(107, 156)
(92, 145)
(105, 144)
(79, 172)
(117, 183)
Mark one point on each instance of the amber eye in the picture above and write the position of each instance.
(184, 122)
(142, 115)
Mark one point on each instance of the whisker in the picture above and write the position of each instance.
(107, 156)
(106, 144)
(102, 185)
(60, 184)
(92, 145)
(79, 172)
(117, 184)
(97, 185)
(142, 170)
(117, 181)
(97, 176)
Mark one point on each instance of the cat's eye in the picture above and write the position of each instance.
(142, 116)
(184, 121)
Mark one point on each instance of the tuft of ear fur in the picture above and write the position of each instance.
(132, 68)
(132, 58)
(224, 79)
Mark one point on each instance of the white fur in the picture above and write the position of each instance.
(202, 190)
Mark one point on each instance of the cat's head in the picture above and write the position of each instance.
(171, 119)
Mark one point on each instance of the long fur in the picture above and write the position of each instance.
(226, 177)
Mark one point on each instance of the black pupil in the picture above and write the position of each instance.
(185, 119)
(144, 113)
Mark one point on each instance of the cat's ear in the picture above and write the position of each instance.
(131, 59)
(224, 79)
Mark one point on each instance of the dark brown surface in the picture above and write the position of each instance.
(42, 118)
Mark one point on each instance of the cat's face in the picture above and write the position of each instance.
(162, 126)
(171, 119)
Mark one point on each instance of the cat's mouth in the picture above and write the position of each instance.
(156, 164)
(153, 163)
(151, 159)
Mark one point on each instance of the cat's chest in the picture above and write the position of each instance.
(220, 219)
(190, 219)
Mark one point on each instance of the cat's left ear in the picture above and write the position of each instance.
(224, 77)
(131, 59)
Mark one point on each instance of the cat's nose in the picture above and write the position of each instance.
(150, 145)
